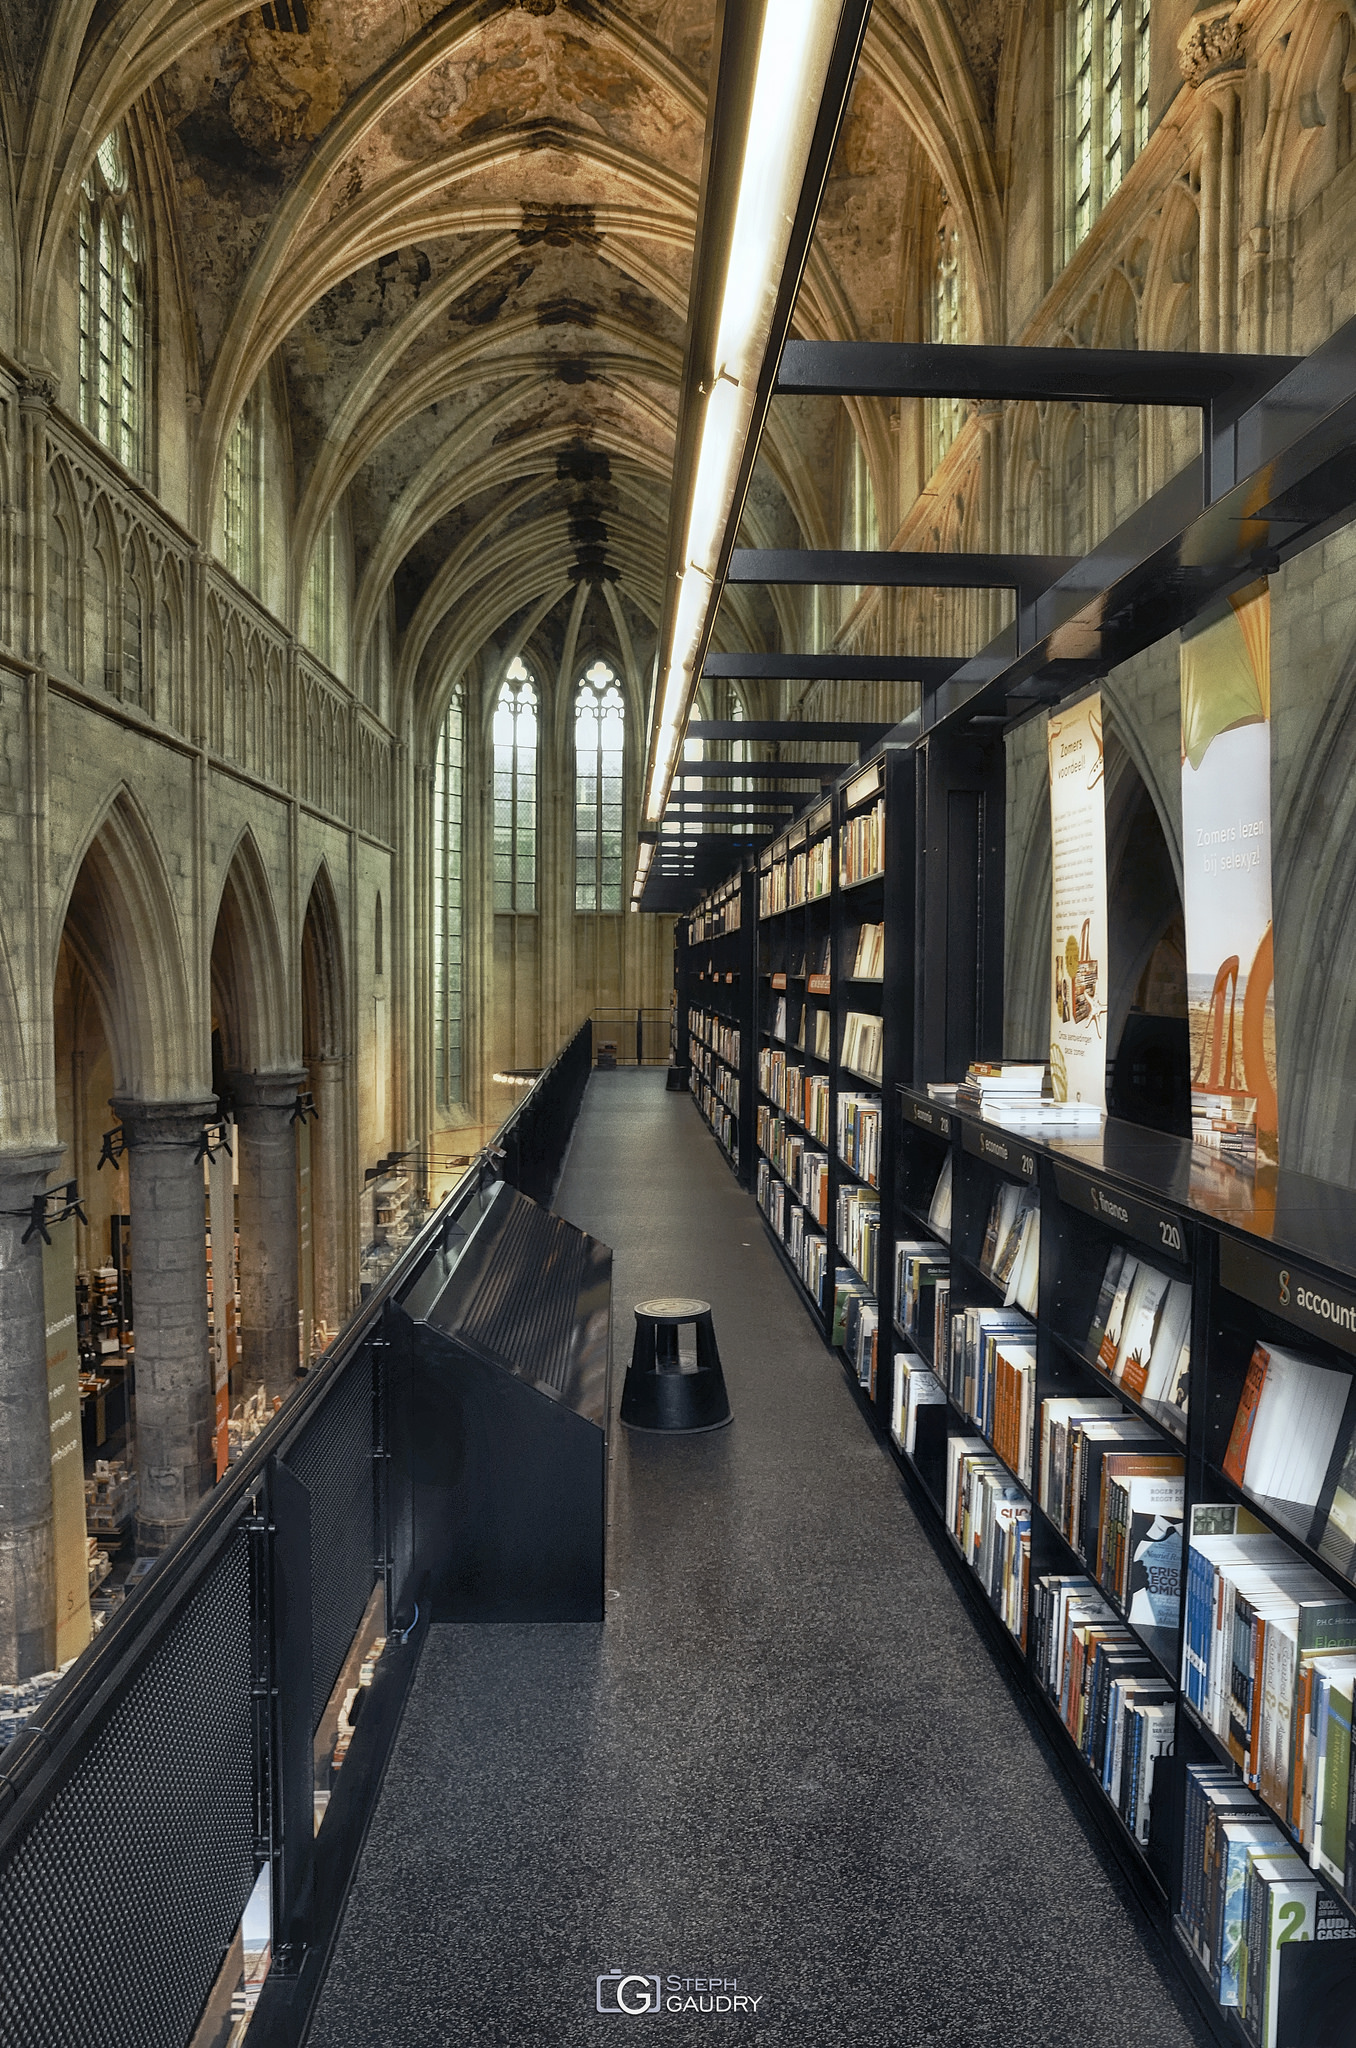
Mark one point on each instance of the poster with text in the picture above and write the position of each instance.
(70, 1543)
(1226, 877)
(1078, 904)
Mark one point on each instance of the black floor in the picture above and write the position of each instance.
(787, 1759)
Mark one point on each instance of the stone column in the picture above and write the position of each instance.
(174, 1403)
(27, 1556)
(267, 1217)
(331, 1225)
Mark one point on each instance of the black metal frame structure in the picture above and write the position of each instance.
(175, 1760)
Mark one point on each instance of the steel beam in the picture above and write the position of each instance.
(925, 669)
(1296, 449)
(1088, 376)
(892, 569)
(763, 771)
(1223, 387)
(779, 729)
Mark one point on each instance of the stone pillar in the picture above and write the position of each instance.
(267, 1217)
(331, 1226)
(27, 1555)
(174, 1402)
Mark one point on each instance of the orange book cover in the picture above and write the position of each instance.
(1240, 1437)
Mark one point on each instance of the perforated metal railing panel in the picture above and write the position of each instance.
(525, 1308)
(334, 1462)
(118, 1903)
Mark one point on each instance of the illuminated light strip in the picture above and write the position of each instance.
(794, 51)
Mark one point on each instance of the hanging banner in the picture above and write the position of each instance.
(74, 1628)
(1078, 904)
(219, 1169)
(1226, 876)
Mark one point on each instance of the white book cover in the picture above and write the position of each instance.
(1296, 1427)
(1174, 1328)
(1135, 1349)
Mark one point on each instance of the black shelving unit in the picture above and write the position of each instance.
(1252, 1253)
(715, 978)
(1240, 1247)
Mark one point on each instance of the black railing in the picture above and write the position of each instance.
(176, 1760)
(639, 1038)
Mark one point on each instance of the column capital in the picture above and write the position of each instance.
(277, 1090)
(1212, 43)
(162, 1123)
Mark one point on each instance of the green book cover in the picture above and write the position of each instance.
(1330, 1840)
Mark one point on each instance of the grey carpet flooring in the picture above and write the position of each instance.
(787, 1759)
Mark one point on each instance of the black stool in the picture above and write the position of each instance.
(659, 1392)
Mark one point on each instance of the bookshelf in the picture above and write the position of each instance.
(1129, 1192)
(1037, 1453)
(793, 1180)
(714, 981)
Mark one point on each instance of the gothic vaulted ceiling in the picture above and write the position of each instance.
(462, 234)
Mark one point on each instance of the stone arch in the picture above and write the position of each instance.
(323, 974)
(119, 916)
(324, 1051)
(248, 978)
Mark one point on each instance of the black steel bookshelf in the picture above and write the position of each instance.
(1243, 1244)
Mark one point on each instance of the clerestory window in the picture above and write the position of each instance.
(111, 293)
(1106, 98)
(448, 797)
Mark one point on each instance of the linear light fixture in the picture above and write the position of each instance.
(782, 83)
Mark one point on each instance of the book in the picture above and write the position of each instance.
(823, 1034)
(915, 1387)
(1286, 1426)
(1110, 1345)
(1134, 1352)
(1105, 1297)
(939, 1208)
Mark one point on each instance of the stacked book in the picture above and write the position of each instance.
(1244, 1891)
(992, 1376)
(1115, 1705)
(861, 846)
(922, 1292)
(859, 1134)
(1268, 1663)
(869, 961)
(812, 1184)
(859, 1230)
(915, 1387)
(990, 1518)
(1077, 1432)
(815, 1092)
(863, 1040)
(1013, 1092)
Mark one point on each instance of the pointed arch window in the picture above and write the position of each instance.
(515, 790)
(944, 415)
(449, 788)
(242, 495)
(599, 763)
(112, 300)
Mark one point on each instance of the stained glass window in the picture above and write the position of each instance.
(599, 755)
(515, 791)
(944, 415)
(242, 496)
